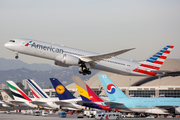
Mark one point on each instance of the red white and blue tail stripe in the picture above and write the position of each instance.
(154, 62)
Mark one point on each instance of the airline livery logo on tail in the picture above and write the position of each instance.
(60, 89)
(111, 89)
(28, 43)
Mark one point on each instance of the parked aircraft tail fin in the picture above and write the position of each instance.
(112, 90)
(61, 90)
(36, 89)
(5, 96)
(18, 94)
(85, 91)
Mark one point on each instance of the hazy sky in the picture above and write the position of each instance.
(94, 25)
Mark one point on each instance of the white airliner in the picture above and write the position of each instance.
(66, 56)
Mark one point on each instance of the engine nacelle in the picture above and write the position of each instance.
(68, 59)
(59, 63)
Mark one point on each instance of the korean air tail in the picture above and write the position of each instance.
(113, 92)
(18, 94)
(61, 90)
(36, 89)
(85, 91)
(154, 63)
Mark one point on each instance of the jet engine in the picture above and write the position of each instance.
(67, 59)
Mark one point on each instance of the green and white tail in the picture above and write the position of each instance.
(18, 94)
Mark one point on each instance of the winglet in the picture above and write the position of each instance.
(61, 90)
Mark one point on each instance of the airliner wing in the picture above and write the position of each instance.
(97, 58)
(168, 73)
(114, 104)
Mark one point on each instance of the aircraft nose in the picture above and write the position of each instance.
(7, 45)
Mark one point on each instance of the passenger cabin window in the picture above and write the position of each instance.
(12, 41)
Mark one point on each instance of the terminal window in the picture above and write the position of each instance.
(141, 93)
(169, 93)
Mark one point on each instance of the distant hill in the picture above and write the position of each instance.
(7, 64)
(64, 75)
(17, 71)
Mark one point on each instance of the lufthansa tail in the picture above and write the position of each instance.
(61, 90)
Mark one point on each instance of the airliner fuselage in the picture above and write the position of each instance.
(66, 56)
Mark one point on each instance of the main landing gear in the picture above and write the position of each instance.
(84, 70)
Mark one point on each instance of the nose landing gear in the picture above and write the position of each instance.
(16, 55)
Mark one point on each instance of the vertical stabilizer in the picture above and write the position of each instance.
(18, 94)
(61, 90)
(113, 92)
(5, 96)
(36, 89)
(154, 62)
(85, 91)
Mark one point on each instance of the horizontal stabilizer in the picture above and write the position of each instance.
(62, 102)
(38, 102)
(166, 107)
(84, 103)
(16, 101)
(111, 104)
(167, 73)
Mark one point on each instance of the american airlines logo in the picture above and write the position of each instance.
(44, 47)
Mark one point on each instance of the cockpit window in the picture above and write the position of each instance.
(12, 41)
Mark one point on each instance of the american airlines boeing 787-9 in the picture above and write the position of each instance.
(66, 56)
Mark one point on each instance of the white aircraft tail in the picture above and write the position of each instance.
(18, 94)
(36, 89)
(5, 96)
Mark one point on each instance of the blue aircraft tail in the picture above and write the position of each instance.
(112, 90)
(61, 90)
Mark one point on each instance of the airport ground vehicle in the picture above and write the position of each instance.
(108, 115)
(62, 114)
(44, 114)
(36, 113)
